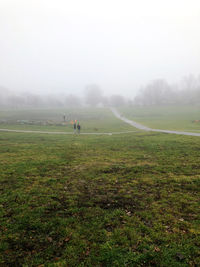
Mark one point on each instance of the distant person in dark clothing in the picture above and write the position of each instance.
(79, 128)
(75, 127)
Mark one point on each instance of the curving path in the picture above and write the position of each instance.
(142, 127)
(117, 114)
(45, 132)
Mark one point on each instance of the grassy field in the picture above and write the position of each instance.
(91, 120)
(120, 200)
(166, 117)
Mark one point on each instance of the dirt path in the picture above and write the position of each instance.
(142, 127)
(45, 132)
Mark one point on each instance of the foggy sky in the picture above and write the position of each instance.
(63, 45)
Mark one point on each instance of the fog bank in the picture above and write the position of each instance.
(156, 92)
(55, 47)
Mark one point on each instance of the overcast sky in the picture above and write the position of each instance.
(63, 45)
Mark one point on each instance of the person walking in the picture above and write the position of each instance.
(74, 127)
(79, 128)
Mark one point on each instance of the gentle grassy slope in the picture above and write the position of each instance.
(124, 200)
(91, 120)
(165, 117)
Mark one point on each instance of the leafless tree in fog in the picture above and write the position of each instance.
(93, 95)
(159, 92)
(117, 100)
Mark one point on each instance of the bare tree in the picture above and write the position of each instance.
(93, 95)
(157, 92)
(72, 101)
(117, 100)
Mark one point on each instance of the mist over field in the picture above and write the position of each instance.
(99, 133)
(57, 49)
(157, 92)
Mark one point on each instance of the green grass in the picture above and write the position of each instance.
(165, 117)
(121, 200)
(91, 120)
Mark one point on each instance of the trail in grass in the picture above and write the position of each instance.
(46, 132)
(142, 127)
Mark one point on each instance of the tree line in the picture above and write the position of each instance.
(157, 92)
(160, 92)
(93, 96)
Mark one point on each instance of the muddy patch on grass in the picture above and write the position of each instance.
(100, 193)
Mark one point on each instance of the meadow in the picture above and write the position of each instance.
(91, 120)
(179, 118)
(80, 200)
